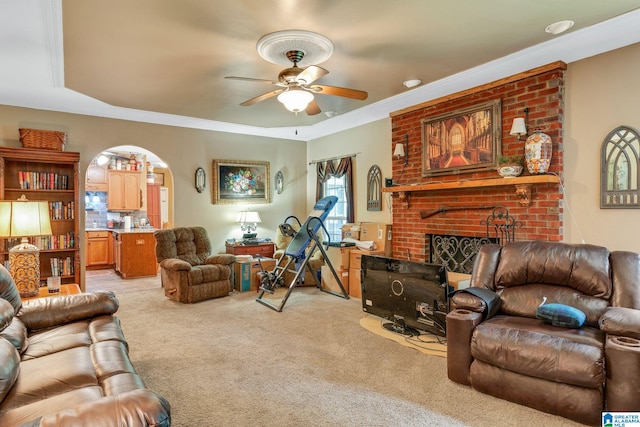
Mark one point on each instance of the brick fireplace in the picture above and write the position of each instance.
(539, 217)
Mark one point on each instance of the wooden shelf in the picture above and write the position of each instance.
(48, 162)
(522, 184)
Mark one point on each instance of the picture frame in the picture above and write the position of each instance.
(158, 179)
(240, 182)
(466, 140)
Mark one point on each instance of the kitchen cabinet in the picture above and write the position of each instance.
(112, 255)
(135, 254)
(153, 205)
(117, 251)
(51, 176)
(98, 248)
(124, 190)
(96, 179)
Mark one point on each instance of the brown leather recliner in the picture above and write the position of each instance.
(573, 372)
(189, 272)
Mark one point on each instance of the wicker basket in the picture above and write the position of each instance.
(46, 139)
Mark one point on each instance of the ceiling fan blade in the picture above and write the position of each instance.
(261, 97)
(339, 91)
(250, 79)
(313, 108)
(311, 74)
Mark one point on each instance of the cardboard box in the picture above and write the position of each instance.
(339, 257)
(245, 274)
(355, 257)
(351, 230)
(355, 287)
(380, 234)
(329, 282)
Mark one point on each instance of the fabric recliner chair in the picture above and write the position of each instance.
(188, 270)
(571, 371)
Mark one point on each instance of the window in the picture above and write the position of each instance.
(338, 215)
(335, 179)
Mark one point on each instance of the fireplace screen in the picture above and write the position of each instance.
(456, 253)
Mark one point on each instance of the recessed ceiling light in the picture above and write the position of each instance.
(559, 27)
(330, 113)
(411, 83)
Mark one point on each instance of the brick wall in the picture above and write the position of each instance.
(540, 90)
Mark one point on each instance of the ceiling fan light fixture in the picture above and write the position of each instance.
(295, 100)
(315, 47)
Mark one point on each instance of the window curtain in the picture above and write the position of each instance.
(328, 169)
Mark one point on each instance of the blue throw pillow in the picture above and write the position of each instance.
(561, 315)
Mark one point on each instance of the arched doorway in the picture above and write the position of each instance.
(145, 195)
(126, 188)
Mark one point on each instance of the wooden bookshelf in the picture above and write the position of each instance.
(52, 176)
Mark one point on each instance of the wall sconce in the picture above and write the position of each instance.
(22, 218)
(248, 221)
(402, 150)
(520, 125)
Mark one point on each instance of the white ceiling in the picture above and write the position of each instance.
(162, 61)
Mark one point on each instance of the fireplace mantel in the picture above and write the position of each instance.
(521, 183)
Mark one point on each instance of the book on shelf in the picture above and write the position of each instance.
(62, 210)
(62, 266)
(42, 181)
(60, 241)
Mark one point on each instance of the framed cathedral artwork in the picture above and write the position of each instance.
(466, 140)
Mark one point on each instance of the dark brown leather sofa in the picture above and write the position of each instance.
(64, 362)
(573, 372)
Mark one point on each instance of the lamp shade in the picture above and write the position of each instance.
(5, 218)
(24, 218)
(249, 216)
(398, 151)
(295, 100)
(518, 127)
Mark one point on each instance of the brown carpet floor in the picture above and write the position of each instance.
(234, 362)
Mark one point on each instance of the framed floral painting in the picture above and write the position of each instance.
(240, 182)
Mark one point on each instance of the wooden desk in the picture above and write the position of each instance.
(68, 289)
(265, 249)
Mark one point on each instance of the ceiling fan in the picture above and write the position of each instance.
(298, 88)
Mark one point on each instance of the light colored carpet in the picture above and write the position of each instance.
(234, 362)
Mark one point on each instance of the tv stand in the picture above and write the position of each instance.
(398, 326)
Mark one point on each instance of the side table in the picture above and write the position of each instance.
(264, 249)
(66, 289)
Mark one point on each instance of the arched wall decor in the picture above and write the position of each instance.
(374, 189)
(620, 162)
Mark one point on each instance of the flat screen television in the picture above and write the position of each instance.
(413, 296)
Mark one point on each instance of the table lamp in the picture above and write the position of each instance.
(246, 219)
(22, 218)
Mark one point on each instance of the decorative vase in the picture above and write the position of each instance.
(509, 171)
(537, 153)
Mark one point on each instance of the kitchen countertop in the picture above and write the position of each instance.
(122, 230)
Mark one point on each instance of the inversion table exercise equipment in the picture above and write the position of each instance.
(304, 243)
